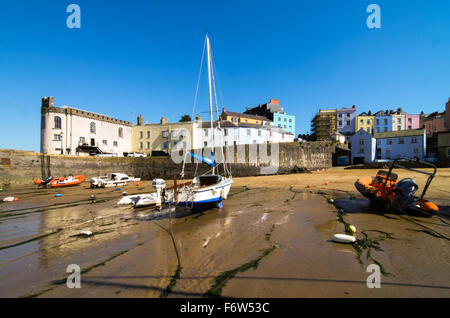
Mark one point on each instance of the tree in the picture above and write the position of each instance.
(185, 118)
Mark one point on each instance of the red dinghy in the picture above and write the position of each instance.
(69, 181)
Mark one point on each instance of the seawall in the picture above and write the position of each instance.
(21, 168)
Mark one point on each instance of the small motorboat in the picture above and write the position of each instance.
(384, 190)
(68, 181)
(112, 180)
(147, 199)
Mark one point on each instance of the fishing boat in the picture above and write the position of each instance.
(210, 189)
(385, 191)
(68, 181)
(112, 180)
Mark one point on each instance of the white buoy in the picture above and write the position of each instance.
(343, 238)
(86, 233)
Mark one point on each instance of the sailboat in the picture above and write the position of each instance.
(210, 189)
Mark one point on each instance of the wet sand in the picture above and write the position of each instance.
(271, 239)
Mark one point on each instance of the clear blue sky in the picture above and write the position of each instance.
(142, 57)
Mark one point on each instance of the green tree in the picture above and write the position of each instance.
(185, 118)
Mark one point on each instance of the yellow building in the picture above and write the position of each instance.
(162, 137)
(243, 118)
(364, 121)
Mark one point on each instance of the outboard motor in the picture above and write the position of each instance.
(405, 190)
(46, 181)
(159, 185)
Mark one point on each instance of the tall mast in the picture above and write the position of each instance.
(210, 95)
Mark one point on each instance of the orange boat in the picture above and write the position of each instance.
(68, 181)
(384, 191)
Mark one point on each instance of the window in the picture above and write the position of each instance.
(379, 141)
(165, 134)
(249, 132)
(92, 128)
(361, 122)
(82, 140)
(105, 142)
(410, 127)
(205, 132)
(225, 132)
(340, 116)
(340, 123)
(368, 121)
(234, 119)
(120, 132)
(385, 121)
(259, 133)
(348, 115)
(205, 144)
(57, 122)
(348, 122)
(226, 143)
(279, 118)
(414, 140)
(388, 153)
(290, 120)
(361, 141)
(141, 134)
(141, 145)
(378, 129)
(115, 144)
(401, 141)
(385, 129)
(254, 141)
(368, 130)
(361, 150)
(57, 137)
(148, 134)
(399, 120)
(285, 120)
(416, 150)
(409, 120)
(389, 142)
(378, 121)
(399, 127)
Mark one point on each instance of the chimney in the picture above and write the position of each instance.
(354, 106)
(199, 118)
(164, 120)
(140, 120)
(370, 113)
(274, 101)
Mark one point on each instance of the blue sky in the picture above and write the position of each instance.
(142, 57)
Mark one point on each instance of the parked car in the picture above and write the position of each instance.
(136, 154)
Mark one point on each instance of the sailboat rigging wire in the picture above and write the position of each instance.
(195, 100)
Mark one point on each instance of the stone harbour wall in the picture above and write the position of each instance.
(21, 168)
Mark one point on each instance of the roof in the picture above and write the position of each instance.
(400, 133)
(346, 109)
(228, 113)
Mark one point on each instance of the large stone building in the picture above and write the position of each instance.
(71, 131)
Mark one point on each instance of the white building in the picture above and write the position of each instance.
(363, 147)
(238, 134)
(71, 131)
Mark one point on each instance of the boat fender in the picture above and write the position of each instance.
(343, 238)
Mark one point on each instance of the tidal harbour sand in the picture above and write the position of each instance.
(272, 238)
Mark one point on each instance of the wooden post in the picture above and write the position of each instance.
(175, 190)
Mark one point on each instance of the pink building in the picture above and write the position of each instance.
(412, 122)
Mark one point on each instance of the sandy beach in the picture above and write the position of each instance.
(272, 238)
